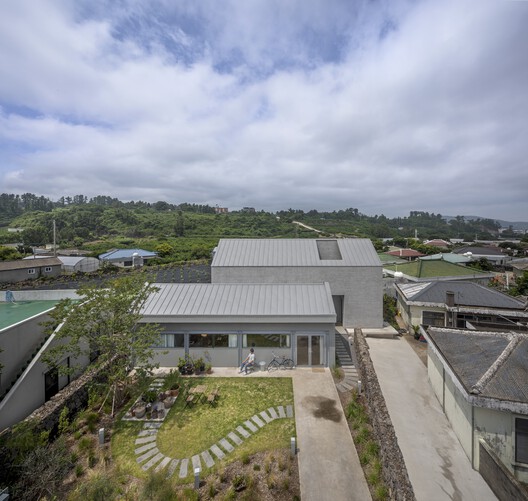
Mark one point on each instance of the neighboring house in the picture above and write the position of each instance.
(350, 266)
(220, 322)
(127, 258)
(450, 257)
(481, 380)
(424, 270)
(519, 266)
(407, 254)
(459, 304)
(74, 264)
(29, 269)
(221, 210)
(438, 242)
(25, 381)
(492, 254)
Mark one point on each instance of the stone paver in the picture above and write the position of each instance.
(156, 459)
(146, 433)
(266, 417)
(258, 421)
(196, 463)
(226, 445)
(208, 459)
(151, 425)
(251, 426)
(145, 440)
(217, 451)
(144, 448)
(234, 438)
(282, 412)
(147, 454)
(172, 467)
(273, 413)
(289, 411)
(164, 462)
(243, 432)
(184, 465)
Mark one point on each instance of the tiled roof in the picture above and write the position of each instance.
(405, 253)
(487, 364)
(295, 252)
(466, 294)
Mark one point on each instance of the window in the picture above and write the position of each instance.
(436, 318)
(31, 271)
(171, 341)
(48, 269)
(213, 341)
(521, 440)
(267, 340)
(127, 263)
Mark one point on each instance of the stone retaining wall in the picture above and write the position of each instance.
(394, 470)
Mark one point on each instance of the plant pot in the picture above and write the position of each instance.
(140, 411)
(169, 402)
(162, 396)
(174, 393)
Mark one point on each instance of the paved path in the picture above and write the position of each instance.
(149, 456)
(329, 467)
(436, 463)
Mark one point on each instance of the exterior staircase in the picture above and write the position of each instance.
(346, 357)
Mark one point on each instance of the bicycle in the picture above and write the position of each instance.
(280, 362)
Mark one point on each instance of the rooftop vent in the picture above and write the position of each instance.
(328, 250)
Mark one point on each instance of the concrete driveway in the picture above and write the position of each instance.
(329, 466)
(436, 463)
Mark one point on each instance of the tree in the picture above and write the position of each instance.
(105, 323)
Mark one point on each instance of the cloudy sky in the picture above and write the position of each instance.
(387, 106)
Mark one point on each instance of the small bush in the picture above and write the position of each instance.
(64, 422)
(79, 470)
(239, 482)
(363, 435)
(271, 482)
(245, 458)
(256, 467)
(85, 444)
(92, 460)
(99, 487)
(381, 493)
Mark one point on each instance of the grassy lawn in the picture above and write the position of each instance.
(187, 431)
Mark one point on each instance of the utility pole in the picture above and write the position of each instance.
(54, 239)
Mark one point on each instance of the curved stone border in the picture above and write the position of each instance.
(148, 454)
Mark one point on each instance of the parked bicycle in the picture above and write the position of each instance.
(280, 361)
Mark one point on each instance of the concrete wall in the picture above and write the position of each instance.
(28, 393)
(18, 343)
(232, 357)
(361, 286)
(435, 372)
(8, 276)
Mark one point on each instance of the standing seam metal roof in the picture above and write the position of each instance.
(292, 252)
(240, 299)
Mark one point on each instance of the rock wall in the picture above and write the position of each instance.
(393, 467)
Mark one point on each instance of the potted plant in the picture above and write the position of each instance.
(172, 383)
(208, 368)
(199, 366)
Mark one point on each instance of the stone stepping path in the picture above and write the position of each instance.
(345, 356)
(148, 453)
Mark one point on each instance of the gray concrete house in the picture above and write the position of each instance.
(350, 266)
(29, 269)
(221, 322)
(481, 381)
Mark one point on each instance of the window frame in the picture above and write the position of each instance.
(32, 271)
(524, 437)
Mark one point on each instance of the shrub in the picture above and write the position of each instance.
(239, 482)
(64, 422)
(99, 487)
(245, 458)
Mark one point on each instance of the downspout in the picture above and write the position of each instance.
(472, 436)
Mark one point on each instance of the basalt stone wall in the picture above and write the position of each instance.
(393, 467)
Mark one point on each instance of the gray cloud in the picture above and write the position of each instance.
(384, 107)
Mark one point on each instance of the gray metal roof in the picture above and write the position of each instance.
(466, 294)
(204, 301)
(295, 252)
(487, 364)
(24, 264)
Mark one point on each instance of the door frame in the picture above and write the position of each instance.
(322, 345)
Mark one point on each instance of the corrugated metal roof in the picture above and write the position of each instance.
(205, 300)
(466, 294)
(23, 264)
(118, 254)
(472, 354)
(292, 252)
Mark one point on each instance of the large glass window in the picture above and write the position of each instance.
(521, 440)
(171, 341)
(267, 340)
(212, 340)
(435, 318)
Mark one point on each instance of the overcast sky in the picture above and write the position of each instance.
(386, 106)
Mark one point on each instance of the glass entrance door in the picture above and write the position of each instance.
(310, 349)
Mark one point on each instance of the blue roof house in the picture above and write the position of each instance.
(127, 258)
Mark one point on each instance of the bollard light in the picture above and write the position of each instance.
(359, 387)
(293, 446)
(101, 436)
(197, 478)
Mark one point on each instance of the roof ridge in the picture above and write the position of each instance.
(515, 340)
